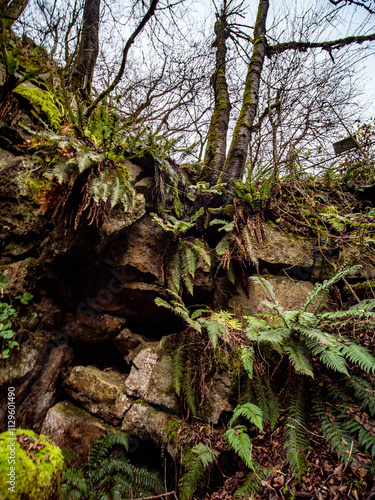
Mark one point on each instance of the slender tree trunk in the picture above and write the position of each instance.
(235, 163)
(214, 157)
(149, 14)
(84, 64)
(10, 11)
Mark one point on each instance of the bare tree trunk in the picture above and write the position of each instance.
(10, 11)
(214, 157)
(84, 64)
(120, 74)
(235, 163)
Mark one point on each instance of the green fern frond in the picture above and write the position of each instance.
(299, 357)
(105, 445)
(313, 333)
(174, 273)
(363, 392)
(330, 356)
(113, 185)
(197, 462)
(327, 284)
(274, 335)
(252, 482)
(223, 245)
(247, 358)
(231, 274)
(337, 436)
(203, 250)
(359, 355)
(109, 467)
(249, 411)
(189, 284)
(301, 318)
(254, 325)
(178, 359)
(188, 390)
(267, 286)
(146, 481)
(238, 439)
(365, 439)
(364, 305)
(266, 400)
(296, 442)
(189, 262)
(178, 307)
(75, 485)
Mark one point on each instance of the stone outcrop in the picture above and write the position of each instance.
(129, 344)
(73, 429)
(150, 379)
(216, 397)
(93, 328)
(285, 249)
(291, 295)
(141, 251)
(101, 393)
(95, 289)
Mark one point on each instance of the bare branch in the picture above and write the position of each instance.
(328, 46)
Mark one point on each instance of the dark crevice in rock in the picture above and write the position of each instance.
(103, 356)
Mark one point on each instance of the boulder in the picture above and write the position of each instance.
(19, 365)
(285, 249)
(290, 294)
(18, 275)
(118, 220)
(150, 378)
(216, 397)
(22, 222)
(129, 344)
(93, 328)
(140, 250)
(143, 419)
(73, 429)
(352, 255)
(135, 172)
(99, 392)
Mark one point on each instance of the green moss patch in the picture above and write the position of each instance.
(30, 466)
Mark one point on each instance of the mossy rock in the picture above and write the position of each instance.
(37, 466)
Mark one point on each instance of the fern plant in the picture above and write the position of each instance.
(84, 187)
(110, 475)
(328, 377)
(313, 353)
(237, 248)
(196, 463)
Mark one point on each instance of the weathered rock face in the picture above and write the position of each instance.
(90, 284)
(352, 255)
(216, 397)
(129, 344)
(36, 372)
(73, 429)
(290, 294)
(140, 251)
(116, 224)
(22, 223)
(150, 378)
(143, 419)
(93, 328)
(285, 249)
(99, 392)
(19, 365)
